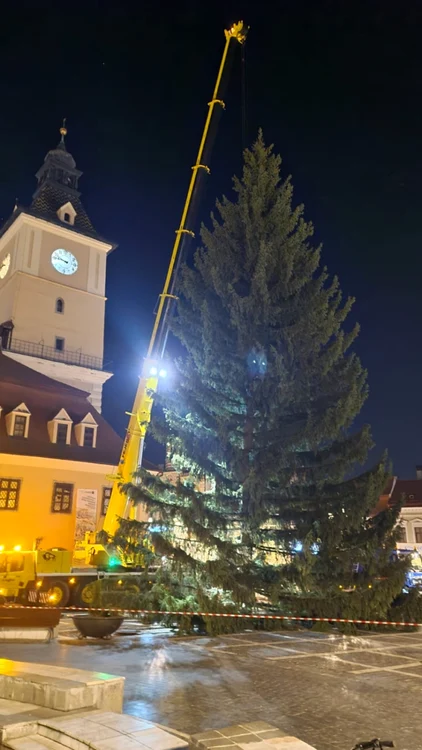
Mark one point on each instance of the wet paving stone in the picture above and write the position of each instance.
(317, 691)
(413, 669)
(374, 659)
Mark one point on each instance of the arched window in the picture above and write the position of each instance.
(59, 305)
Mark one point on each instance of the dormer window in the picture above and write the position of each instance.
(19, 427)
(17, 422)
(89, 435)
(86, 432)
(60, 428)
(67, 213)
(62, 433)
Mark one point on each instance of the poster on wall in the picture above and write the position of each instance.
(86, 513)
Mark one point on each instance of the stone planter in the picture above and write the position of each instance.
(97, 627)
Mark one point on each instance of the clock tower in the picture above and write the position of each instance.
(52, 281)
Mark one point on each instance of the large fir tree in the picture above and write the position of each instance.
(266, 397)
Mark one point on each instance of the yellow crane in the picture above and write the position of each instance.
(154, 367)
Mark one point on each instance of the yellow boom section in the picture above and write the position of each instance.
(140, 416)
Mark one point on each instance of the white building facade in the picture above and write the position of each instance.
(52, 281)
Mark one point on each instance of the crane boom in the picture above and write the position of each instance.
(140, 416)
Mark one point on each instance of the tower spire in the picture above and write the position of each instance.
(59, 168)
(63, 132)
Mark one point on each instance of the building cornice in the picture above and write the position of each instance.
(41, 462)
(56, 229)
(61, 369)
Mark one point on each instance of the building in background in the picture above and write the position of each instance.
(52, 281)
(56, 454)
(409, 491)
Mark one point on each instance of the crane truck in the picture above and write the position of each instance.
(61, 577)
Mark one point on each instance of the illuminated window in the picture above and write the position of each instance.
(89, 437)
(19, 428)
(9, 494)
(106, 500)
(59, 305)
(62, 498)
(418, 534)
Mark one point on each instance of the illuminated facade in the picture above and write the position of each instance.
(56, 452)
(411, 512)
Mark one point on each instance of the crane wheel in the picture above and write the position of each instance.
(85, 594)
(58, 594)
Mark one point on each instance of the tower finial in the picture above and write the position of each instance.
(63, 130)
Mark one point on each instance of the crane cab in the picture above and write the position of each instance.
(17, 569)
(20, 569)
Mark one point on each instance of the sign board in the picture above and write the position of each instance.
(86, 513)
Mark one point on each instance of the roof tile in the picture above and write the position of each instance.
(49, 198)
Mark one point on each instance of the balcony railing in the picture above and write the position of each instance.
(55, 355)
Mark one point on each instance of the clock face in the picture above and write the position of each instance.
(64, 262)
(4, 266)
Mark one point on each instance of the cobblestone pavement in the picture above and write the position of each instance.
(328, 690)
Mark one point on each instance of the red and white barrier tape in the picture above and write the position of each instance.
(292, 618)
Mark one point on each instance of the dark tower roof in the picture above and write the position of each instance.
(60, 154)
(57, 184)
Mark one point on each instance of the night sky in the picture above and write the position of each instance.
(336, 86)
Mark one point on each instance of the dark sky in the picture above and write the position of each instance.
(335, 85)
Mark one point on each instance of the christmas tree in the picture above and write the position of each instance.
(267, 393)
